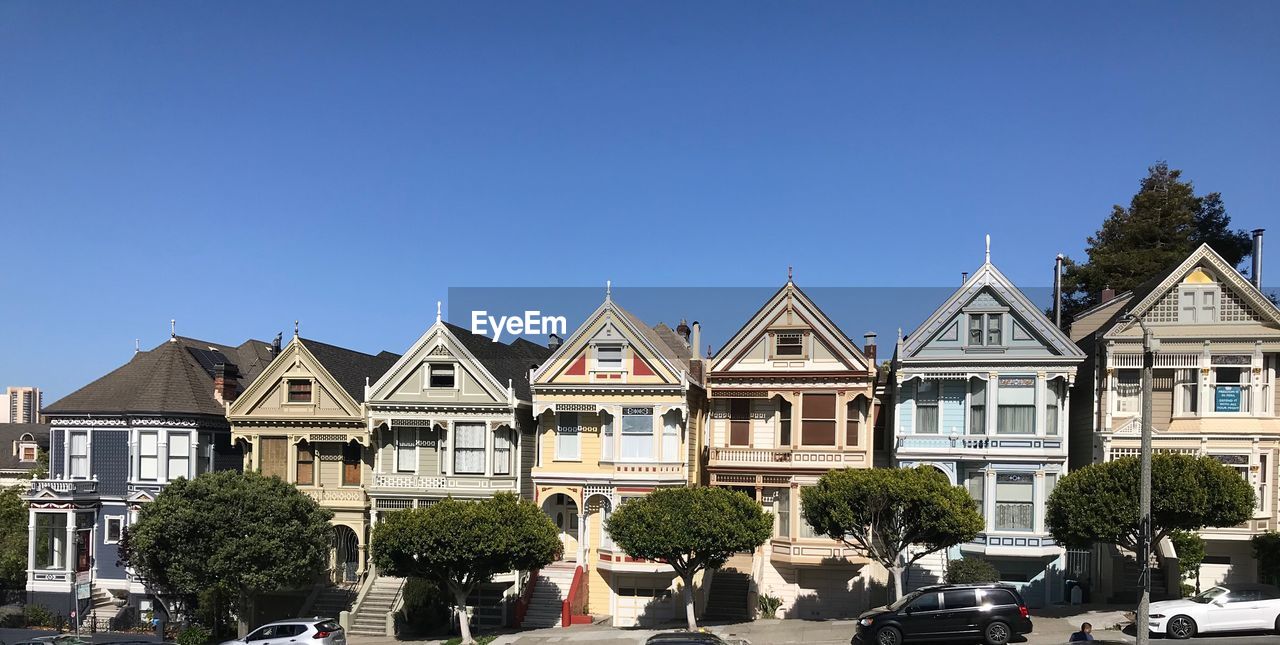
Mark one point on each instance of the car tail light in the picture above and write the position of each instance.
(326, 634)
(1022, 609)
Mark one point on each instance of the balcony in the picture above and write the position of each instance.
(613, 558)
(1013, 543)
(812, 551)
(408, 483)
(981, 446)
(352, 498)
(786, 458)
(647, 470)
(62, 487)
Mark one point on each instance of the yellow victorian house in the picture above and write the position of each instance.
(301, 420)
(620, 407)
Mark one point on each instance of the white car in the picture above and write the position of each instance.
(297, 631)
(1225, 608)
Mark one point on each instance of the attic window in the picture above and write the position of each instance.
(299, 390)
(1198, 303)
(788, 344)
(440, 375)
(27, 452)
(609, 357)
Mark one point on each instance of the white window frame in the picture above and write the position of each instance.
(801, 345)
(22, 452)
(72, 457)
(453, 367)
(507, 434)
(311, 392)
(472, 427)
(995, 501)
(106, 528)
(623, 434)
(608, 435)
(985, 318)
(611, 366)
(562, 443)
(170, 457)
(142, 434)
(398, 444)
(1116, 397)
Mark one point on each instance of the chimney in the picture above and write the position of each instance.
(696, 366)
(1057, 291)
(226, 387)
(275, 345)
(696, 342)
(1257, 257)
(553, 342)
(964, 277)
(683, 330)
(869, 347)
(1108, 294)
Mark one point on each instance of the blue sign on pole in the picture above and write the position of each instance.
(1226, 398)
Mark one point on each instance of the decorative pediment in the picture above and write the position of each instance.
(792, 333)
(268, 397)
(409, 381)
(1235, 298)
(578, 362)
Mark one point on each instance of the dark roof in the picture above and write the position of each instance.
(10, 433)
(174, 378)
(506, 362)
(349, 367)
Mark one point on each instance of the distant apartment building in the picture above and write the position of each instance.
(22, 405)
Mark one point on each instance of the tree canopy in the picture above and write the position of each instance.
(690, 529)
(13, 539)
(241, 534)
(1099, 502)
(1164, 222)
(894, 516)
(1190, 549)
(462, 544)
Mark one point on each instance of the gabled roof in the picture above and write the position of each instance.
(760, 320)
(507, 363)
(349, 367)
(989, 277)
(666, 345)
(10, 433)
(175, 377)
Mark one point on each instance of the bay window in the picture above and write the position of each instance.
(1052, 406)
(50, 541)
(853, 421)
(502, 451)
(806, 529)
(148, 455)
(926, 407)
(1015, 502)
(568, 439)
(977, 406)
(204, 454)
(351, 460)
(406, 446)
(1187, 384)
(78, 455)
(1230, 389)
(1128, 388)
(818, 420)
(468, 448)
(782, 508)
(637, 434)
(976, 482)
(1016, 405)
(784, 423)
(671, 436)
(179, 455)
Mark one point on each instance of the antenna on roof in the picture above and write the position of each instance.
(173, 330)
(437, 311)
(295, 328)
(608, 290)
(988, 248)
(136, 346)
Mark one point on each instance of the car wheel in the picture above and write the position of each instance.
(1181, 627)
(888, 636)
(996, 633)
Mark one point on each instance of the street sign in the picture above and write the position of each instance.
(83, 591)
(84, 577)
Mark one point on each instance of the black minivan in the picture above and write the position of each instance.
(992, 613)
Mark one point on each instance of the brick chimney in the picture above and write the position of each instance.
(683, 330)
(553, 342)
(697, 368)
(869, 347)
(1108, 294)
(226, 386)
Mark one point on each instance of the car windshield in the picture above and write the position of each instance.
(1205, 597)
(902, 602)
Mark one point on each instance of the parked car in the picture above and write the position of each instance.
(693, 638)
(308, 631)
(1225, 608)
(993, 613)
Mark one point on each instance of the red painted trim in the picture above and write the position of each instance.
(571, 608)
(522, 605)
(578, 367)
(639, 367)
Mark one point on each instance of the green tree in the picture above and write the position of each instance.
(241, 534)
(971, 570)
(894, 516)
(690, 529)
(1099, 503)
(1266, 550)
(13, 539)
(1190, 548)
(460, 545)
(1164, 222)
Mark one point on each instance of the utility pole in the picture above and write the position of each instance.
(1142, 627)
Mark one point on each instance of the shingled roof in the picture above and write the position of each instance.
(10, 434)
(174, 378)
(349, 367)
(506, 362)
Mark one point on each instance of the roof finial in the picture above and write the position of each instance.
(173, 330)
(608, 290)
(137, 347)
(988, 248)
(789, 273)
(295, 328)
(437, 311)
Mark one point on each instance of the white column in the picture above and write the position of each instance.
(446, 447)
(66, 453)
(1064, 414)
(88, 455)
(1041, 397)
(162, 456)
(69, 546)
(489, 444)
(1039, 502)
(135, 455)
(194, 445)
(582, 531)
(993, 397)
(31, 540)
(989, 498)
(1205, 374)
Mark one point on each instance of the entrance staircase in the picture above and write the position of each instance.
(1127, 581)
(730, 591)
(331, 601)
(102, 611)
(370, 617)
(549, 593)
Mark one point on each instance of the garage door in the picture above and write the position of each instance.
(827, 592)
(643, 600)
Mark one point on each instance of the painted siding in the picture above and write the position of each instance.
(1161, 399)
(906, 412)
(56, 450)
(528, 453)
(720, 425)
(588, 449)
(111, 462)
(107, 556)
(762, 427)
(328, 463)
(952, 402)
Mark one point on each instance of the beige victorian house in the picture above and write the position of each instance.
(301, 420)
(1213, 394)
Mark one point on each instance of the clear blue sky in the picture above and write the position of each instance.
(240, 165)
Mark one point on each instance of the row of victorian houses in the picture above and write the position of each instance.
(987, 390)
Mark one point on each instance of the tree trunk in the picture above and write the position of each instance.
(897, 570)
(688, 602)
(460, 606)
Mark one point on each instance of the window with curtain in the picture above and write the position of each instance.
(784, 423)
(78, 455)
(671, 436)
(406, 450)
(782, 508)
(148, 455)
(995, 336)
(179, 455)
(351, 458)
(1187, 383)
(468, 448)
(818, 420)
(1052, 405)
(1128, 388)
(204, 454)
(739, 422)
(306, 468)
(926, 407)
(502, 451)
(1016, 410)
(976, 482)
(637, 434)
(977, 406)
(568, 439)
(1015, 508)
(606, 436)
(853, 421)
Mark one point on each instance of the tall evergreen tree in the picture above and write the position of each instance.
(1164, 222)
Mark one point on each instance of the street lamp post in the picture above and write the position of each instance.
(1142, 628)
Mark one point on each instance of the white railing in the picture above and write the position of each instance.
(751, 455)
(1013, 442)
(387, 480)
(64, 486)
(336, 494)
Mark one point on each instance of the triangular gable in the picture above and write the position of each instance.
(437, 344)
(1237, 291)
(571, 361)
(264, 398)
(988, 288)
(789, 308)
